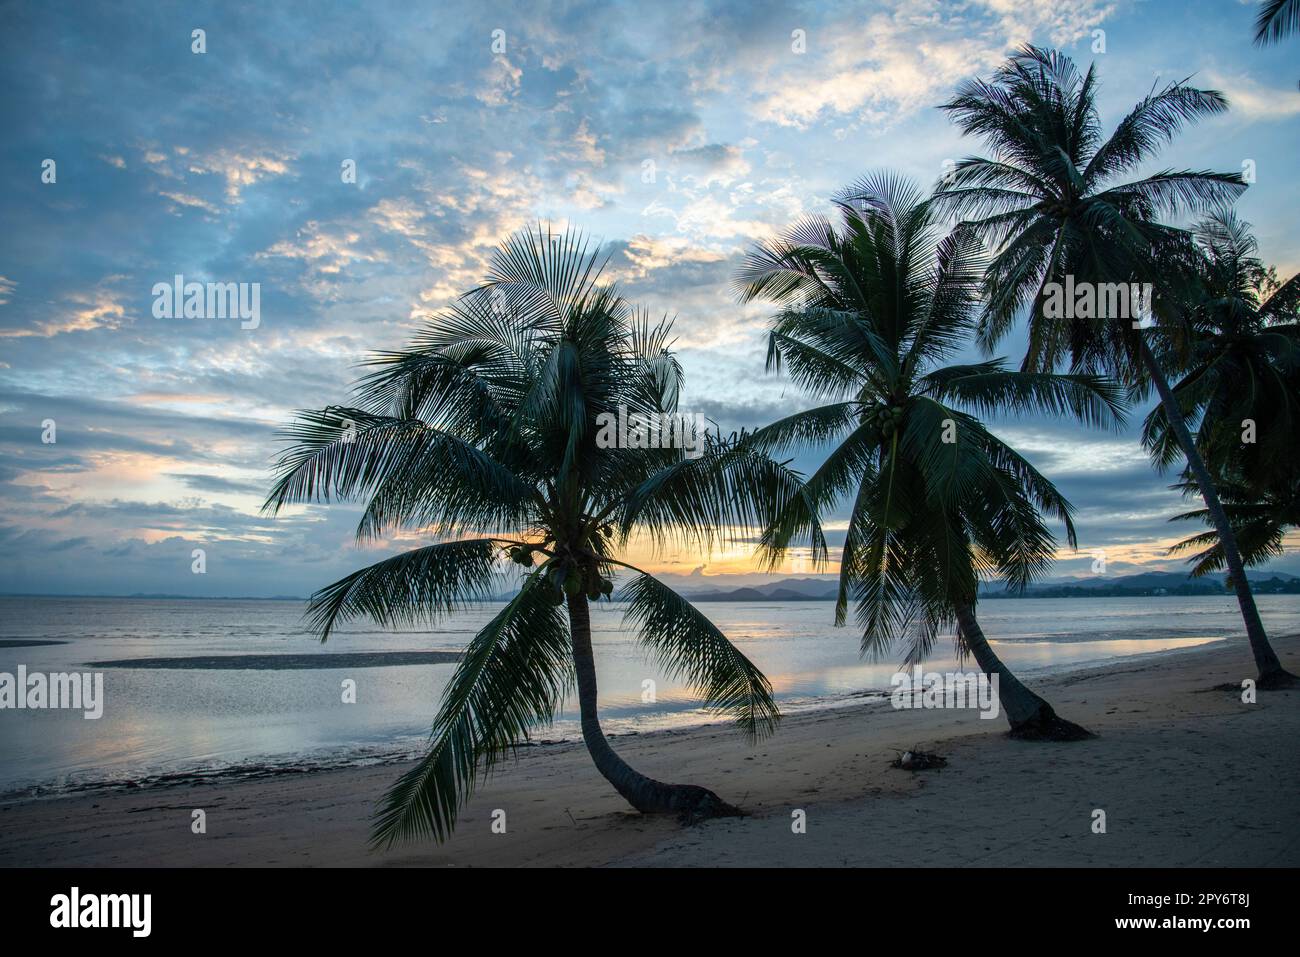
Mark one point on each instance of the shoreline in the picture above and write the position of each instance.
(315, 661)
(356, 756)
(1186, 774)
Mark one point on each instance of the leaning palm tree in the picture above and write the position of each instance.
(869, 314)
(489, 435)
(1236, 342)
(1046, 205)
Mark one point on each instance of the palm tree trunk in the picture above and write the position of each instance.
(1029, 715)
(1271, 672)
(689, 802)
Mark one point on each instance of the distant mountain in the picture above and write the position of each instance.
(1095, 586)
(738, 594)
(1143, 584)
(825, 589)
(150, 596)
(787, 589)
(808, 587)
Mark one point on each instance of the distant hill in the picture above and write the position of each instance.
(150, 596)
(825, 589)
(1093, 586)
(787, 589)
(1145, 584)
(808, 587)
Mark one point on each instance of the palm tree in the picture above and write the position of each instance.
(869, 313)
(1276, 19)
(1044, 203)
(1237, 345)
(1235, 340)
(486, 435)
(1260, 521)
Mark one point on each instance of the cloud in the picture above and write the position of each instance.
(913, 56)
(102, 307)
(675, 136)
(184, 199)
(642, 255)
(217, 483)
(326, 249)
(239, 170)
(1253, 101)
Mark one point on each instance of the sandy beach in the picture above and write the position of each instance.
(1186, 775)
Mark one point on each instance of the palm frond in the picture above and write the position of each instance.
(1171, 192)
(688, 644)
(419, 586)
(1276, 19)
(543, 275)
(719, 498)
(513, 676)
(415, 475)
(1153, 122)
(989, 388)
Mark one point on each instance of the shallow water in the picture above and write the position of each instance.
(160, 721)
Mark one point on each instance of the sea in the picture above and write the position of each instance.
(178, 724)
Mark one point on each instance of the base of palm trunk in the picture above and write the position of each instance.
(1277, 680)
(690, 803)
(1046, 725)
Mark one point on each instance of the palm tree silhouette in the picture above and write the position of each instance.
(1260, 520)
(485, 435)
(1043, 203)
(1236, 344)
(870, 312)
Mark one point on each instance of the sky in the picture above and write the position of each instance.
(675, 134)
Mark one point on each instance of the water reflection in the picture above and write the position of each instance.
(164, 720)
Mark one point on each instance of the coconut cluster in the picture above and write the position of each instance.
(567, 580)
(566, 577)
(887, 418)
